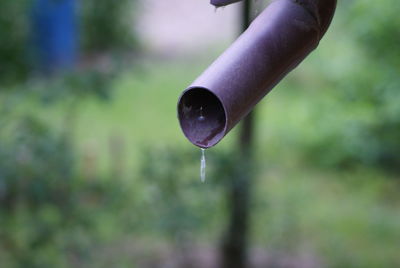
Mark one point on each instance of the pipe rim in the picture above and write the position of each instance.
(216, 110)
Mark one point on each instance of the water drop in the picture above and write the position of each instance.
(203, 166)
(201, 116)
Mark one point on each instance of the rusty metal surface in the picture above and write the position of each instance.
(274, 44)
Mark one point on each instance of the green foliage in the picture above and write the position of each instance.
(31, 152)
(48, 213)
(75, 86)
(107, 25)
(37, 197)
(378, 36)
(170, 181)
(14, 29)
(344, 219)
(357, 121)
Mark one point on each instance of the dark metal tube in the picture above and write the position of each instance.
(274, 44)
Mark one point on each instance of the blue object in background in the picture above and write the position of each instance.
(54, 34)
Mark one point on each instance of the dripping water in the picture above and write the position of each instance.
(203, 166)
(201, 116)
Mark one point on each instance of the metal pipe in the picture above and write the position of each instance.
(277, 41)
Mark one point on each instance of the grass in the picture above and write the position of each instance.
(347, 218)
(343, 217)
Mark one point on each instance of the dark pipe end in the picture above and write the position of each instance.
(202, 117)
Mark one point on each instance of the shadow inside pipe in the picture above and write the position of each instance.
(202, 117)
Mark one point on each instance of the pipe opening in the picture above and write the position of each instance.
(202, 117)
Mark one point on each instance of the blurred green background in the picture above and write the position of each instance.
(95, 172)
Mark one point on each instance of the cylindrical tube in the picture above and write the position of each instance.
(274, 44)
